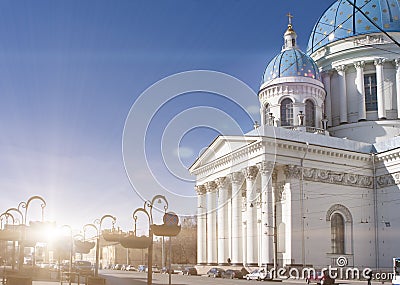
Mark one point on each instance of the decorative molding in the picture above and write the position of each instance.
(388, 180)
(368, 40)
(328, 176)
(379, 61)
(211, 186)
(341, 68)
(200, 189)
(397, 63)
(222, 182)
(265, 167)
(341, 209)
(254, 148)
(236, 178)
(250, 173)
(359, 64)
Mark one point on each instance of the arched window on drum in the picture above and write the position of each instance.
(286, 112)
(310, 113)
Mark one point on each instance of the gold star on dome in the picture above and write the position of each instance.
(349, 31)
(384, 11)
(387, 26)
(375, 19)
(359, 21)
(374, 6)
(341, 13)
(368, 28)
(367, 13)
(396, 18)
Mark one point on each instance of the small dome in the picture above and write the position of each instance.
(343, 20)
(291, 62)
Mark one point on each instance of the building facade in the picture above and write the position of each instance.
(319, 178)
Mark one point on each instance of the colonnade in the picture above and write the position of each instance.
(228, 221)
(359, 82)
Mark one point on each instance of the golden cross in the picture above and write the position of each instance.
(290, 16)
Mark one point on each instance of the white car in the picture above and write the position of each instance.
(258, 274)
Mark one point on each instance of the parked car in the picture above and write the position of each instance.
(130, 267)
(258, 274)
(320, 278)
(142, 268)
(189, 271)
(215, 272)
(117, 266)
(165, 270)
(231, 273)
(154, 269)
(83, 267)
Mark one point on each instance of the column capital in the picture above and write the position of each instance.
(265, 167)
(200, 189)
(236, 177)
(379, 61)
(211, 186)
(221, 182)
(359, 64)
(397, 62)
(341, 68)
(250, 172)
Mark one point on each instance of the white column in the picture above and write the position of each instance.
(251, 216)
(223, 245)
(236, 179)
(362, 112)
(398, 86)
(211, 223)
(201, 225)
(341, 70)
(263, 113)
(265, 169)
(326, 78)
(380, 95)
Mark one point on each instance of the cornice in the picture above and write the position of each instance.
(276, 146)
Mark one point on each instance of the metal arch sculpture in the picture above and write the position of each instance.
(8, 234)
(25, 205)
(132, 240)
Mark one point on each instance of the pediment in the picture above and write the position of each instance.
(220, 147)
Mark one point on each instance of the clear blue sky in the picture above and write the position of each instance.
(71, 70)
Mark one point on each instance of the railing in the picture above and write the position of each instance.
(307, 129)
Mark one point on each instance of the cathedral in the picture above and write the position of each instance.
(317, 181)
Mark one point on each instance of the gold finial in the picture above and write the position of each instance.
(290, 16)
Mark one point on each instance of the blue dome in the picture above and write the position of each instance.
(342, 20)
(291, 62)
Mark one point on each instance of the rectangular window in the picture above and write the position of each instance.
(370, 87)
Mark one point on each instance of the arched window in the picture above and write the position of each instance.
(310, 113)
(337, 233)
(370, 86)
(286, 112)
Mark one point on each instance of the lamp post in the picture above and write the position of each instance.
(22, 218)
(5, 216)
(99, 222)
(25, 205)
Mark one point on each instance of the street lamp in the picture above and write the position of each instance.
(25, 205)
(99, 222)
